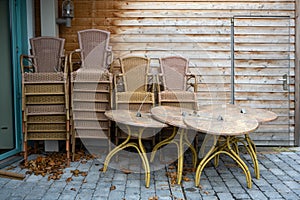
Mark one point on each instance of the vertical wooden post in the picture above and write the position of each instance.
(297, 74)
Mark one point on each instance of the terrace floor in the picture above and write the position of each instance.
(280, 179)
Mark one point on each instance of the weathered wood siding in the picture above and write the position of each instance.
(201, 31)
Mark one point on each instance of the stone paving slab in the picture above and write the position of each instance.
(280, 179)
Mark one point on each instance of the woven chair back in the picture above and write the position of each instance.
(93, 44)
(47, 53)
(174, 71)
(135, 73)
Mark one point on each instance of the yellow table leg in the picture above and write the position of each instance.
(253, 155)
(162, 143)
(144, 155)
(218, 149)
(194, 152)
(140, 149)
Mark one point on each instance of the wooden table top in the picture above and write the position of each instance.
(261, 115)
(220, 123)
(170, 115)
(127, 117)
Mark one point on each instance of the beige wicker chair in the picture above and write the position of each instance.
(93, 49)
(177, 87)
(45, 92)
(91, 88)
(134, 88)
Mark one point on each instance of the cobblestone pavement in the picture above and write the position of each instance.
(280, 179)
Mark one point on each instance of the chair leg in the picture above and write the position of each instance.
(68, 151)
(25, 151)
(73, 146)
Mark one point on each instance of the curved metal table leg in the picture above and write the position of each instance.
(140, 149)
(162, 143)
(216, 150)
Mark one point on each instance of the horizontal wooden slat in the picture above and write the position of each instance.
(205, 5)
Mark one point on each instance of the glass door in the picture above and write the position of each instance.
(6, 89)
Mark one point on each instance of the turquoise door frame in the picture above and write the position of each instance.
(18, 31)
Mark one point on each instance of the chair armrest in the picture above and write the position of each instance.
(71, 57)
(195, 83)
(65, 65)
(190, 74)
(29, 59)
(109, 56)
(116, 84)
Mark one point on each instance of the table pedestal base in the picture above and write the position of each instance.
(223, 145)
(140, 149)
(183, 140)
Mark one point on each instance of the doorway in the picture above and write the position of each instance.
(6, 86)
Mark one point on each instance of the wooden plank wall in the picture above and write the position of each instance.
(201, 31)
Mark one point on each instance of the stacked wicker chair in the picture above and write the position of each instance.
(177, 86)
(134, 88)
(91, 89)
(45, 93)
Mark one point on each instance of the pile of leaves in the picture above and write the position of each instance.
(52, 165)
(81, 155)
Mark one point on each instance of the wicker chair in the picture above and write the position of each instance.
(45, 92)
(177, 87)
(94, 52)
(134, 88)
(91, 88)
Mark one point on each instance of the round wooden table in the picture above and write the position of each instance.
(173, 116)
(261, 115)
(223, 127)
(135, 126)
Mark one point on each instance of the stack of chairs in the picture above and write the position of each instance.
(45, 92)
(91, 90)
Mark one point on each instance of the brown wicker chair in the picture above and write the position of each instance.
(176, 86)
(93, 49)
(45, 93)
(134, 88)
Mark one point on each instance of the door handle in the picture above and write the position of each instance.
(284, 82)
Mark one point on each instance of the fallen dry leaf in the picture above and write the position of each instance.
(171, 167)
(112, 188)
(73, 189)
(200, 187)
(153, 198)
(126, 171)
(186, 179)
(69, 179)
(75, 172)
(83, 173)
